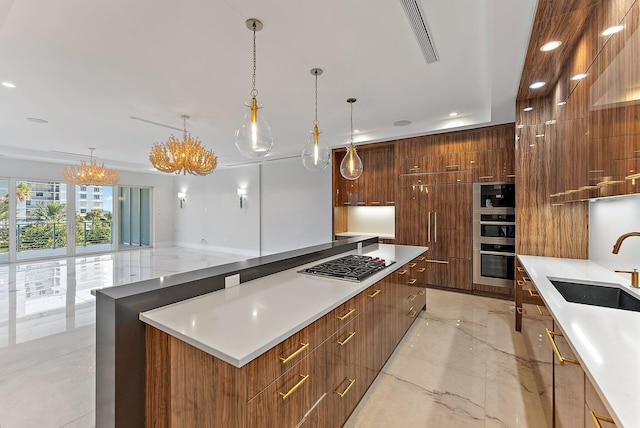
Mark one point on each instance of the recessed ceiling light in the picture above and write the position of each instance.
(37, 120)
(527, 109)
(8, 85)
(550, 46)
(356, 131)
(613, 30)
(537, 85)
(562, 103)
(453, 114)
(579, 76)
(402, 123)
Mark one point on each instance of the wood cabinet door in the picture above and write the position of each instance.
(449, 207)
(568, 387)
(413, 226)
(445, 272)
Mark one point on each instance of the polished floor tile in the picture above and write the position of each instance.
(460, 365)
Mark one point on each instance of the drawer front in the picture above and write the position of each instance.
(344, 348)
(282, 357)
(343, 314)
(286, 401)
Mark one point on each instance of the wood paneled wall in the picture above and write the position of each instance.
(579, 133)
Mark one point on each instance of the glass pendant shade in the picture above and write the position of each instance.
(351, 165)
(254, 138)
(315, 156)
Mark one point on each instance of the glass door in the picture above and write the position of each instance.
(4, 220)
(94, 218)
(134, 217)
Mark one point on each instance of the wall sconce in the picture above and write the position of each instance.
(242, 193)
(182, 197)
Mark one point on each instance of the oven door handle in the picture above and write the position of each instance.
(497, 253)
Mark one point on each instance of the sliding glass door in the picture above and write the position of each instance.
(134, 217)
(4, 220)
(94, 218)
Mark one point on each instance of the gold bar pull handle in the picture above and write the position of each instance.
(402, 272)
(560, 358)
(520, 283)
(296, 386)
(374, 294)
(435, 226)
(440, 262)
(412, 265)
(344, 342)
(520, 269)
(421, 269)
(421, 258)
(412, 297)
(347, 315)
(343, 393)
(422, 292)
(412, 313)
(533, 293)
(412, 281)
(540, 310)
(302, 347)
(598, 418)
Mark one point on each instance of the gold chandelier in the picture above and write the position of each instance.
(186, 156)
(91, 173)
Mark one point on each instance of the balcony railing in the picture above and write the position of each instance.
(46, 235)
(4, 237)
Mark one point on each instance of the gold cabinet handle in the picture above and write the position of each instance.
(412, 297)
(533, 293)
(302, 347)
(520, 310)
(344, 342)
(560, 358)
(412, 313)
(374, 294)
(421, 269)
(421, 258)
(442, 262)
(526, 279)
(412, 265)
(422, 292)
(343, 393)
(520, 283)
(296, 386)
(598, 418)
(412, 281)
(347, 315)
(540, 311)
(402, 272)
(520, 269)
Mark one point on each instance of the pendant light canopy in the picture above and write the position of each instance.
(315, 156)
(253, 137)
(351, 165)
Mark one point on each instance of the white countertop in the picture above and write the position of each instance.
(606, 341)
(379, 235)
(240, 323)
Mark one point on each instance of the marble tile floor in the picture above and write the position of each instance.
(460, 365)
(47, 329)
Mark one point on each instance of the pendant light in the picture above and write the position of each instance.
(315, 157)
(253, 137)
(351, 165)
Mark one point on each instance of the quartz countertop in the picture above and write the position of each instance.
(379, 235)
(606, 341)
(240, 323)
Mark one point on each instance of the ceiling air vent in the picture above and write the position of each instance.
(415, 15)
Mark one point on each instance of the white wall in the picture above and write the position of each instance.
(296, 206)
(163, 201)
(608, 219)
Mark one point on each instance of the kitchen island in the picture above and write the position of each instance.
(603, 342)
(284, 350)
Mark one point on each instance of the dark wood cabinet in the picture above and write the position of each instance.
(314, 378)
(435, 210)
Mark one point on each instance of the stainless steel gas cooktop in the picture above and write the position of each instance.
(351, 268)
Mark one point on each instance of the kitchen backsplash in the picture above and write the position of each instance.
(372, 220)
(608, 219)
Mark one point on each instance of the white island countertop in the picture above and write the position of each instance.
(606, 341)
(240, 323)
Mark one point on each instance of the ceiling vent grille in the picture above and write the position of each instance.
(415, 15)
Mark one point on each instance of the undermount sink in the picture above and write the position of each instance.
(596, 295)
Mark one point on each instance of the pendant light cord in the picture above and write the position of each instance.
(315, 122)
(184, 127)
(351, 140)
(254, 91)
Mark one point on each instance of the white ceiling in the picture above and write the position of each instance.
(87, 66)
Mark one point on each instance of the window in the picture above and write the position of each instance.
(96, 189)
(96, 197)
(83, 196)
(40, 194)
(83, 210)
(83, 188)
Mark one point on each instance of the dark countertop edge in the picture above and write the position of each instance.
(247, 268)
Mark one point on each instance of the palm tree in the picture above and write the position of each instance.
(23, 192)
(53, 212)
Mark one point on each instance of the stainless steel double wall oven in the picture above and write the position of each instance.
(494, 223)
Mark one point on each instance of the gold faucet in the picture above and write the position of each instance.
(616, 248)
